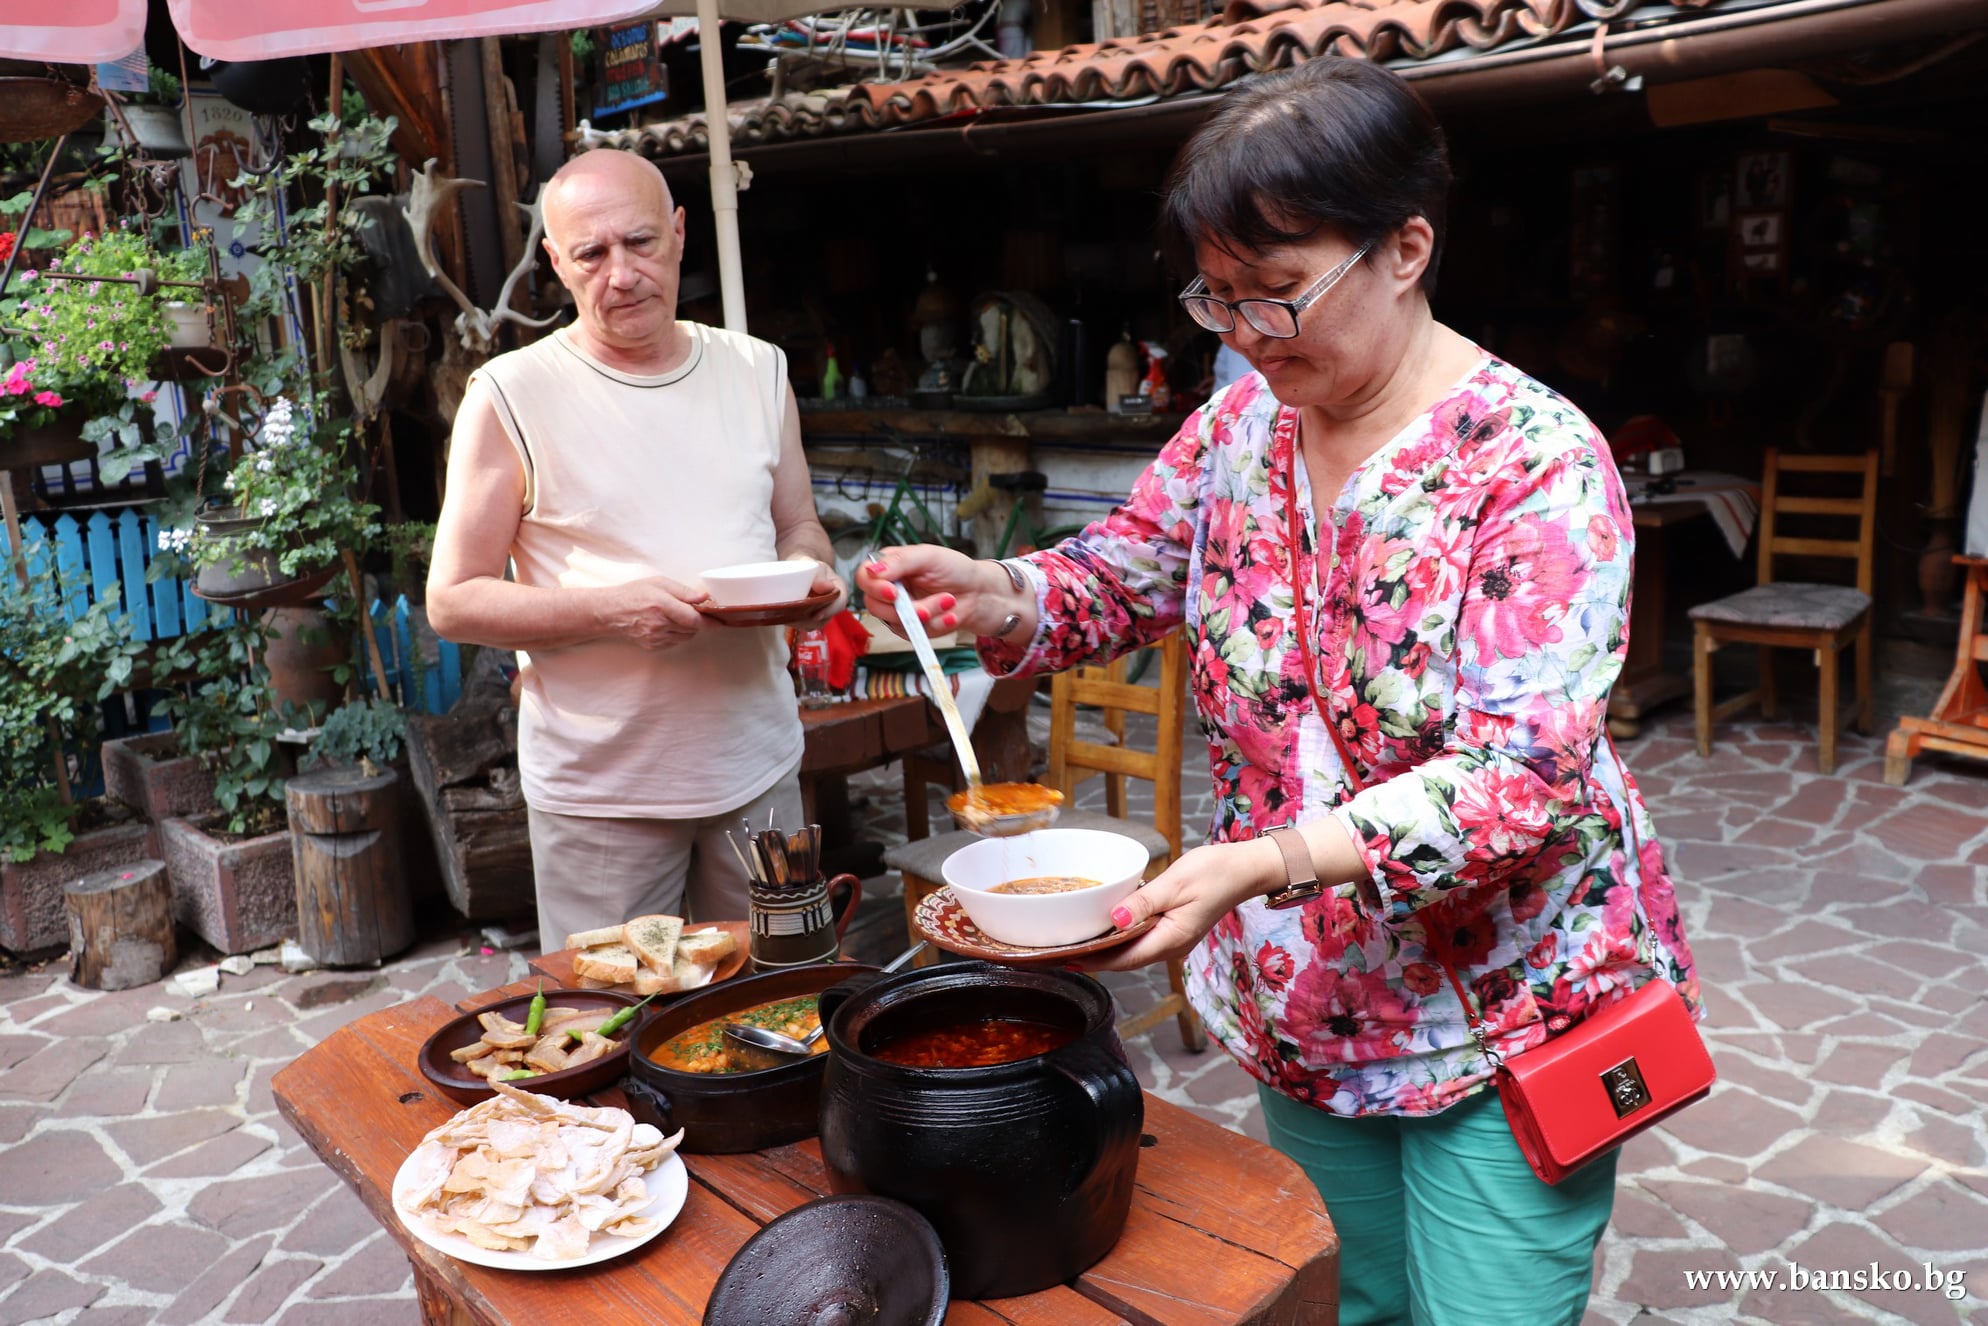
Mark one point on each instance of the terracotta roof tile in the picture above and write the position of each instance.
(1253, 36)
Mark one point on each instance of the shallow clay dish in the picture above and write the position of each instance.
(458, 1083)
(768, 614)
(942, 920)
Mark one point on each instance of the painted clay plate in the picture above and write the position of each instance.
(768, 614)
(942, 920)
(728, 966)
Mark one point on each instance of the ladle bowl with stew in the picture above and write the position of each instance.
(1053, 886)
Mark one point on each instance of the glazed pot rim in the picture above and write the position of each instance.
(639, 1060)
(950, 977)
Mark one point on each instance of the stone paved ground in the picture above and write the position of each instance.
(1841, 926)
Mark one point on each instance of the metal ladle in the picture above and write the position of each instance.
(988, 826)
(751, 1048)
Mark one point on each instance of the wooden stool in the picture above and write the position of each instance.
(353, 908)
(121, 927)
(1959, 723)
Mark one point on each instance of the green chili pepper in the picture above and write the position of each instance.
(537, 1015)
(623, 1018)
(514, 1075)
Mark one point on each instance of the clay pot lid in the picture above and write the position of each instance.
(836, 1261)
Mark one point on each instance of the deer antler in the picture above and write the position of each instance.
(429, 193)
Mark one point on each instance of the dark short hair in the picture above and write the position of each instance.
(1334, 142)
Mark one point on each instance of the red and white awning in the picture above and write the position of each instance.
(94, 31)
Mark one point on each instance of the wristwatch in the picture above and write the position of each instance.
(1301, 878)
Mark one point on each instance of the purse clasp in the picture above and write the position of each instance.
(1625, 1087)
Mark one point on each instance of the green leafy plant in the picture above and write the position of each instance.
(232, 718)
(365, 732)
(54, 674)
(296, 485)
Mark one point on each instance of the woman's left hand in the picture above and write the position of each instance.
(1189, 898)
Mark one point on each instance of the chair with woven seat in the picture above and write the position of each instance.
(1072, 759)
(1780, 614)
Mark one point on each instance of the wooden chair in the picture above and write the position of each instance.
(1070, 761)
(1780, 614)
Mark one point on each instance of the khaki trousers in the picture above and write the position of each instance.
(594, 872)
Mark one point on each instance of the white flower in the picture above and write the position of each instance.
(268, 506)
(229, 483)
(265, 464)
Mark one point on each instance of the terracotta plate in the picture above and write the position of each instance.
(768, 614)
(668, 1184)
(941, 920)
(559, 966)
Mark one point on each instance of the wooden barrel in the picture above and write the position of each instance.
(353, 907)
(121, 927)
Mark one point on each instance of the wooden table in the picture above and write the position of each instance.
(1644, 684)
(1223, 1229)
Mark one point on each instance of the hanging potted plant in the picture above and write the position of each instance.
(153, 117)
(84, 334)
(288, 513)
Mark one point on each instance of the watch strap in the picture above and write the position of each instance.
(1301, 883)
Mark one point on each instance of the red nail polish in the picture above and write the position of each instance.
(876, 568)
(1075, 967)
(948, 601)
(1121, 917)
(885, 592)
(949, 623)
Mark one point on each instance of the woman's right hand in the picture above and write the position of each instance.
(949, 590)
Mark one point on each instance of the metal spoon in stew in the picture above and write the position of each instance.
(760, 1047)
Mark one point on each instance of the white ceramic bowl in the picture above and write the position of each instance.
(1040, 920)
(756, 583)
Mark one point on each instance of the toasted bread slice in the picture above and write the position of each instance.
(607, 934)
(612, 962)
(690, 975)
(706, 948)
(654, 940)
(652, 982)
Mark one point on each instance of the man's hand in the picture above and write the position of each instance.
(825, 579)
(656, 613)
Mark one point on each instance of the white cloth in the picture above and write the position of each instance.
(1977, 503)
(1733, 502)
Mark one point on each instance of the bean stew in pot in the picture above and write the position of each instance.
(977, 1044)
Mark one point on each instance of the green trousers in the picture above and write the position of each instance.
(1441, 1220)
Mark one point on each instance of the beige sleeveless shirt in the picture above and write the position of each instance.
(627, 477)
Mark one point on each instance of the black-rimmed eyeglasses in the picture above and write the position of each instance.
(1276, 318)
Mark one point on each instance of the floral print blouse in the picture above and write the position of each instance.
(1470, 613)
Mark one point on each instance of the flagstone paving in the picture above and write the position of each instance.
(1840, 926)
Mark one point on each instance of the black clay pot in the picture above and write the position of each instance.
(1025, 1169)
(726, 1112)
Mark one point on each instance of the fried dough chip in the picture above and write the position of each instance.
(523, 1172)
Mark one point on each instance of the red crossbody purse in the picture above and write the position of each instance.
(1585, 1092)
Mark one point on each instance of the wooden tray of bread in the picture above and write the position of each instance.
(660, 955)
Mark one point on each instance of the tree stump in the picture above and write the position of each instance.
(353, 907)
(121, 927)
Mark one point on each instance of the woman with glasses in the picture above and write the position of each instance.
(1403, 568)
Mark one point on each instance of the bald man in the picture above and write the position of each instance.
(607, 465)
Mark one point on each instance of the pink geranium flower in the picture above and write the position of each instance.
(48, 398)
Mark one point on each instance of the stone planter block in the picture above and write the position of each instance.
(238, 896)
(32, 915)
(150, 775)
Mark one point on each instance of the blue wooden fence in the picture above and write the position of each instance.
(104, 557)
